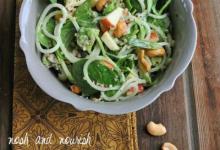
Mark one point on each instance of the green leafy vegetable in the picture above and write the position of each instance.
(110, 93)
(84, 15)
(144, 44)
(156, 60)
(60, 54)
(142, 30)
(53, 1)
(164, 5)
(77, 73)
(133, 5)
(101, 45)
(162, 23)
(149, 4)
(64, 67)
(100, 73)
(132, 34)
(45, 61)
(136, 6)
(147, 77)
(126, 63)
(128, 4)
(67, 34)
(43, 39)
(110, 7)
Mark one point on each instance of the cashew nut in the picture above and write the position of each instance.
(168, 146)
(156, 129)
(58, 17)
(100, 4)
(155, 52)
(143, 64)
(75, 89)
(120, 29)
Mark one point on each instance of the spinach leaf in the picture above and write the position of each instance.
(43, 39)
(126, 63)
(156, 61)
(136, 6)
(53, 1)
(132, 34)
(142, 29)
(128, 4)
(77, 73)
(84, 15)
(146, 76)
(144, 44)
(163, 5)
(100, 73)
(67, 34)
(133, 5)
(110, 7)
(110, 93)
(162, 23)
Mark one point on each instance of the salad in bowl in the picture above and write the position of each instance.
(106, 50)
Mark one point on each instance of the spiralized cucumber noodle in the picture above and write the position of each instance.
(58, 30)
(125, 87)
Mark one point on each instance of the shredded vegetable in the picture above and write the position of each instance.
(107, 50)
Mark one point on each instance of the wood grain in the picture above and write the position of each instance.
(206, 73)
(7, 28)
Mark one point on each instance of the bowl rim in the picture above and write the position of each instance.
(88, 106)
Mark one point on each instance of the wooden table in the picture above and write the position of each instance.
(190, 111)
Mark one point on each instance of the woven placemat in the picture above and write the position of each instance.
(39, 118)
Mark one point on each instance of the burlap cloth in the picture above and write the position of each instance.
(36, 114)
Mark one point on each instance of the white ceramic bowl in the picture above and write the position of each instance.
(185, 36)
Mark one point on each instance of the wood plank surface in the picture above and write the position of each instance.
(7, 30)
(193, 118)
(206, 73)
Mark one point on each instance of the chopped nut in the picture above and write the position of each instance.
(146, 64)
(154, 36)
(132, 89)
(125, 12)
(156, 129)
(143, 64)
(58, 17)
(75, 89)
(140, 53)
(155, 52)
(120, 29)
(100, 4)
(168, 146)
